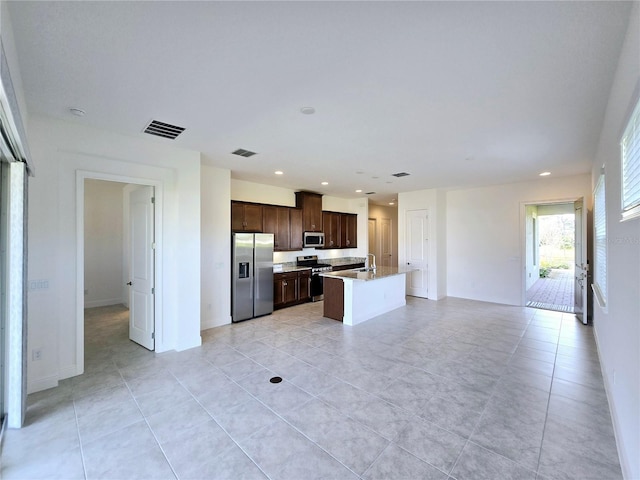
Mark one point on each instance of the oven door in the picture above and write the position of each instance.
(317, 292)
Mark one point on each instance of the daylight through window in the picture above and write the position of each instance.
(600, 234)
(631, 166)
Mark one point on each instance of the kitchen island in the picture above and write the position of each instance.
(354, 296)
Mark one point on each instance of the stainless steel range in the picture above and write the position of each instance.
(317, 292)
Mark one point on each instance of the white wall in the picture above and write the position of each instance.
(215, 271)
(62, 149)
(485, 235)
(434, 201)
(618, 326)
(259, 193)
(103, 243)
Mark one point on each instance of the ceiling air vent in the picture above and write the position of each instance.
(162, 129)
(243, 153)
(400, 174)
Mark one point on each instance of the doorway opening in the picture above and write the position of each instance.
(551, 254)
(106, 300)
(117, 268)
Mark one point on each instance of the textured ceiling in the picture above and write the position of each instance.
(454, 93)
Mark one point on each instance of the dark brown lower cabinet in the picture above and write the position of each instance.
(333, 298)
(304, 286)
(291, 288)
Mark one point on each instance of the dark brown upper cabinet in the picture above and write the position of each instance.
(348, 230)
(246, 217)
(311, 205)
(332, 224)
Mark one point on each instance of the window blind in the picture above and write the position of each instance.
(600, 234)
(630, 146)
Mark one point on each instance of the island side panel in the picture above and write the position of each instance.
(365, 300)
(333, 298)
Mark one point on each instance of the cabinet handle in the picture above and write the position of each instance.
(284, 283)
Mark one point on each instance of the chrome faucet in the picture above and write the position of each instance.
(372, 266)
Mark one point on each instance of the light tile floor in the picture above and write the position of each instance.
(451, 389)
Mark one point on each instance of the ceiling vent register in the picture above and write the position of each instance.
(165, 130)
(243, 153)
(400, 174)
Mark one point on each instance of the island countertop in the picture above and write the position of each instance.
(378, 273)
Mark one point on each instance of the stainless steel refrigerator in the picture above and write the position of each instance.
(252, 275)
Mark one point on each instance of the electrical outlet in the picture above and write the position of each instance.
(36, 354)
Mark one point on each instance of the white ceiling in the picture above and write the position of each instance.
(454, 93)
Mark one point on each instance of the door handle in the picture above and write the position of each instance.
(129, 283)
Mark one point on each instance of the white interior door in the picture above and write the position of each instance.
(581, 267)
(373, 237)
(418, 252)
(386, 254)
(142, 266)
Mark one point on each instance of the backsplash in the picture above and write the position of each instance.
(330, 261)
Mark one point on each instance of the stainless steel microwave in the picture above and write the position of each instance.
(313, 239)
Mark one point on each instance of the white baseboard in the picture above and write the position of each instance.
(195, 342)
(44, 383)
(51, 381)
(622, 457)
(215, 322)
(102, 303)
(70, 371)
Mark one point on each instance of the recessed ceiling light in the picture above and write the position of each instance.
(358, 191)
(324, 183)
(375, 178)
(278, 172)
(359, 172)
(308, 110)
(544, 174)
(78, 112)
(391, 203)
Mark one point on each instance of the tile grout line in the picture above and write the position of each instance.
(149, 426)
(75, 414)
(546, 415)
(455, 463)
(316, 397)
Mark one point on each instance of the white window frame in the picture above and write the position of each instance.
(599, 284)
(630, 168)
